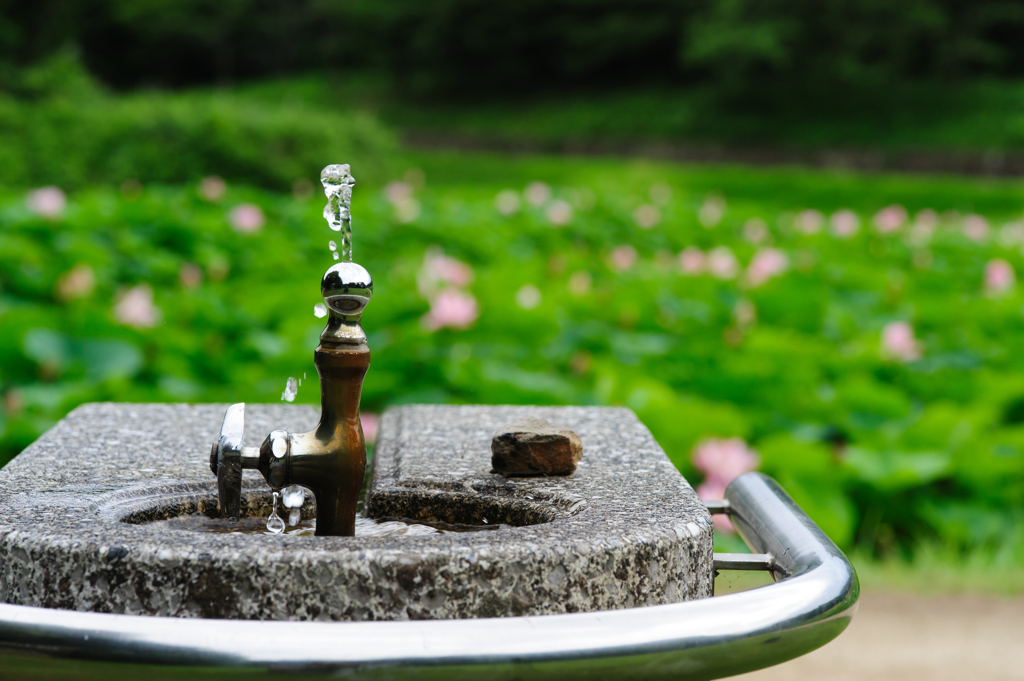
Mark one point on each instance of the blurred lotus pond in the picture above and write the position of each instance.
(857, 337)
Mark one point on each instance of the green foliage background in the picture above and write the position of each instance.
(883, 454)
(57, 125)
(887, 456)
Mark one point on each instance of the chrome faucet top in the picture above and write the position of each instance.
(346, 288)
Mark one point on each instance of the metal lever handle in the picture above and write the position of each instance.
(226, 461)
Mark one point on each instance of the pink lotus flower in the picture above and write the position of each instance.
(397, 192)
(712, 212)
(212, 188)
(507, 202)
(537, 194)
(303, 189)
(371, 426)
(407, 211)
(809, 221)
(692, 260)
(439, 270)
(721, 461)
(49, 202)
(999, 276)
(660, 194)
(744, 313)
(755, 230)
(890, 218)
(898, 342)
(1012, 234)
(927, 217)
(451, 308)
(14, 401)
(766, 263)
(622, 257)
(77, 283)
(647, 216)
(399, 195)
(136, 308)
(580, 283)
(922, 231)
(190, 275)
(247, 218)
(976, 228)
(528, 297)
(559, 213)
(722, 264)
(845, 224)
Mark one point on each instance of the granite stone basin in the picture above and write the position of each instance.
(625, 530)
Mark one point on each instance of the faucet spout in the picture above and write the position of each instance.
(329, 460)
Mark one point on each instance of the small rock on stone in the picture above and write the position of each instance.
(534, 446)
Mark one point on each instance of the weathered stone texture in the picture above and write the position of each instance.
(624, 530)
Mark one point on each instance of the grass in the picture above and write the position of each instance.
(935, 571)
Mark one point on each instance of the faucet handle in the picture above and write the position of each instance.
(226, 461)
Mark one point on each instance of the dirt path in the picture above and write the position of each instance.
(900, 637)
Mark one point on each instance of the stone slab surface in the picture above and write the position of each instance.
(624, 530)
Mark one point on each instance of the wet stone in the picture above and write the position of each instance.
(534, 446)
(77, 530)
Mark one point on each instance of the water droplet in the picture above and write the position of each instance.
(274, 522)
(320, 310)
(337, 181)
(333, 246)
(293, 496)
(291, 388)
(294, 517)
(336, 256)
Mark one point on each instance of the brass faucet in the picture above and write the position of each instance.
(329, 460)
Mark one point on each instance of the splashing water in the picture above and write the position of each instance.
(291, 389)
(274, 522)
(320, 310)
(293, 496)
(338, 181)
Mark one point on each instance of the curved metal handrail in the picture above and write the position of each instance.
(811, 603)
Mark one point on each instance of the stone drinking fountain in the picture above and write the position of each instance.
(506, 542)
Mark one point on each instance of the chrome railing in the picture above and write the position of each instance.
(811, 603)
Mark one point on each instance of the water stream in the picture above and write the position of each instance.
(338, 182)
